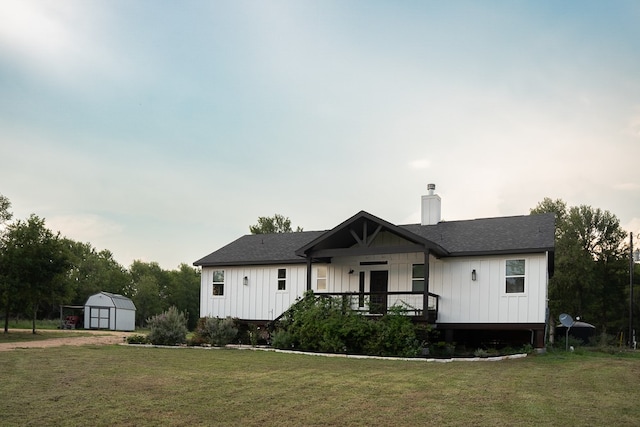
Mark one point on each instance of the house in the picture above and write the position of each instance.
(114, 312)
(480, 282)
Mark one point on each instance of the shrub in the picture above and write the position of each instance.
(528, 349)
(216, 331)
(481, 352)
(282, 339)
(328, 324)
(395, 335)
(561, 343)
(325, 324)
(168, 328)
(444, 349)
(137, 339)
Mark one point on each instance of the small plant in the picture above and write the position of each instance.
(561, 343)
(254, 335)
(481, 352)
(137, 339)
(528, 349)
(442, 349)
(168, 328)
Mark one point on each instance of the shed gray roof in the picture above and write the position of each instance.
(120, 301)
(486, 236)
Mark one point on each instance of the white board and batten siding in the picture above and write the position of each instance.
(462, 300)
(259, 299)
(485, 300)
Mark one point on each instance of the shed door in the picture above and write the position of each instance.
(99, 318)
(378, 285)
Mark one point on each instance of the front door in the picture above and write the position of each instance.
(378, 289)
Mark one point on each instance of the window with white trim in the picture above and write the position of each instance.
(218, 283)
(282, 279)
(417, 278)
(321, 278)
(514, 276)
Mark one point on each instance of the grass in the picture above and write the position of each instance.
(119, 385)
(27, 324)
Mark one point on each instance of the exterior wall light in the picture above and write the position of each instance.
(245, 281)
(474, 276)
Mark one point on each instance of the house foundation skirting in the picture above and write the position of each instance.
(493, 334)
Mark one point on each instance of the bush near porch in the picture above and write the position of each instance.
(329, 325)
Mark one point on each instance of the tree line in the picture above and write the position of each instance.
(41, 270)
(592, 268)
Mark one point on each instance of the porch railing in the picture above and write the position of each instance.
(378, 303)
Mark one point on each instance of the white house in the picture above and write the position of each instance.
(105, 310)
(481, 280)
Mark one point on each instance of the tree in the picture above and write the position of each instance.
(183, 292)
(589, 264)
(94, 271)
(150, 287)
(275, 224)
(33, 262)
(146, 298)
(5, 205)
(5, 215)
(155, 290)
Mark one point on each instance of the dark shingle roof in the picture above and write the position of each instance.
(255, 249)
(513, 234)
(516, 234)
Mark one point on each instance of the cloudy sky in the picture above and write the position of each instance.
(161, 130)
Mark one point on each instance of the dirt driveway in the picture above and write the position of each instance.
(95, 338)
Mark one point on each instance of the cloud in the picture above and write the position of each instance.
(58, 41)
(633, 128)
(627, 186)
(84, 227)
(420, 164)
(633, 226)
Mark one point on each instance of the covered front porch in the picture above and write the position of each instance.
(376, 266)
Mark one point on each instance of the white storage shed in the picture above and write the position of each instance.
(109, 311)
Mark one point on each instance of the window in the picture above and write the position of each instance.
(514, 275)
(321, 278)
(361, 289)
(218, 282)
(417, 278)
(282, 279)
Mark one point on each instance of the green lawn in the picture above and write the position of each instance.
(128, 385)
(27, 324)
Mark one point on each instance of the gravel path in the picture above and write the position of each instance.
(96, 338)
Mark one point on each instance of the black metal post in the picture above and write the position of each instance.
(631, 265)
(425, 297)
(309, 262)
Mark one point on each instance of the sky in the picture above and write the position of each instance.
(162, 130)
